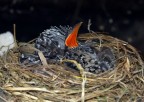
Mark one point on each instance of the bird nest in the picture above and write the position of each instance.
(58, 83)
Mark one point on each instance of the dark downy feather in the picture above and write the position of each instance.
(52, 43)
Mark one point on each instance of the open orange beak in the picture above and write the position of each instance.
(71, 40)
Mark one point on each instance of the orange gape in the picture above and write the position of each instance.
(71, 40)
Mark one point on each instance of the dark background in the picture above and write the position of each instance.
(123, 19)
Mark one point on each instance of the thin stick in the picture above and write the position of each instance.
(89, 26)
(83, 88)
(82, 72)
(14, 32)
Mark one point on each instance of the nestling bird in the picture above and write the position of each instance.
(51, 42)
(92, 59)
(61, 42)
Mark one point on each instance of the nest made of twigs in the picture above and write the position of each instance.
(57, 83)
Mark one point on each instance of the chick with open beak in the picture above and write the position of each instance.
(61, 42)
(92, 59)
(71, 40)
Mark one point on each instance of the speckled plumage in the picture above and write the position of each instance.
(92, 59)
(52, 43)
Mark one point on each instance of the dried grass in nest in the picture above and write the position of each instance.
(57, 83)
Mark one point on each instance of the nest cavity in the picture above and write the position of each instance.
(58, 83)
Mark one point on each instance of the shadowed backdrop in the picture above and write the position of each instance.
(123, 19)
